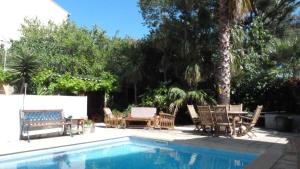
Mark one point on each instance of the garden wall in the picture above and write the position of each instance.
(270, 120)
(10, 107)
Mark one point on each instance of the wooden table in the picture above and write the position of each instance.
(74, 122)
(235, 118)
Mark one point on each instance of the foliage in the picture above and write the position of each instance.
(173, 98)
(277, 15)
(179, 98)
(192, 75)
(5, 77)
(88, 123)
(23, 66)
(47, 82)
(287, 57)
(264, 65)
(157, 98)
(69, 51)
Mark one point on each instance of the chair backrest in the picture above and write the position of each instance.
(143, 112)
(226, 105)
(192, 112)
(237, 107)
(107, 112)
(221, 114)
(256, 115)
(205, 115)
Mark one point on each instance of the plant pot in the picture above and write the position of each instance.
(89, 129)
(283, 123)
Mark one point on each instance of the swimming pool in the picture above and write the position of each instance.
(128, 153)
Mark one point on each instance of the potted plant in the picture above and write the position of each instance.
(89, 126)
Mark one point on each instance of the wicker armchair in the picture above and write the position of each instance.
(165, 121)
(110, 120)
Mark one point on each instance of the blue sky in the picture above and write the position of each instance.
(110, 15)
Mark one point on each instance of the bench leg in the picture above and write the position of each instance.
(27, 131)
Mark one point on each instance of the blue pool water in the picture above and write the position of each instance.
(133, 153)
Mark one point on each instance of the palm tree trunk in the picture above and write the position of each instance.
(223, 75)
(135, 93)
(22, 85)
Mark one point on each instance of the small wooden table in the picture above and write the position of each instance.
(77, 122)
(235, 118)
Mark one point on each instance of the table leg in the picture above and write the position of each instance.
(233, 132)
(236, 119)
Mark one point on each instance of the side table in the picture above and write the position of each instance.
(71, 123)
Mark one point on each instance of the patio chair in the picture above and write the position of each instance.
(237, 107)
(222, 120)
(205, 117)
(165, 121)
(248, 123)
(111, 120)
(195, 117)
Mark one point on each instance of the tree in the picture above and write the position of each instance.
(229, 12)
(192, 75)
(23, 66)
(276, 15)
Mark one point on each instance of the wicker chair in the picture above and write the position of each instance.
(205, 117)
(195, 117)
(222, 120)
(110, 120)
(248, 123)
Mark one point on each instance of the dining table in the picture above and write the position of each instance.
(235, 115)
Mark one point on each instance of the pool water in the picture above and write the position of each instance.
(133, 153)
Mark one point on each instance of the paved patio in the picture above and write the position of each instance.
(273, 147)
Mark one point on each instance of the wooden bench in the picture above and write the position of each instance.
(41, 118)
(140, 117)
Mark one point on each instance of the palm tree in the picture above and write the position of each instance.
(192, 75)
(23, 66)
(230, 11)
(178, 98)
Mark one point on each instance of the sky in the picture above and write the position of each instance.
(113, 16)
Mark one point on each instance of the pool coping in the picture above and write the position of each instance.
(266, 158)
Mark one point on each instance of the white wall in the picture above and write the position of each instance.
(13, 12)
(11, 104)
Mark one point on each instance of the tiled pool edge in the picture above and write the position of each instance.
(268, 159)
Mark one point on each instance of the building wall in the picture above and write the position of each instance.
(13, 12)
(11, 105)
